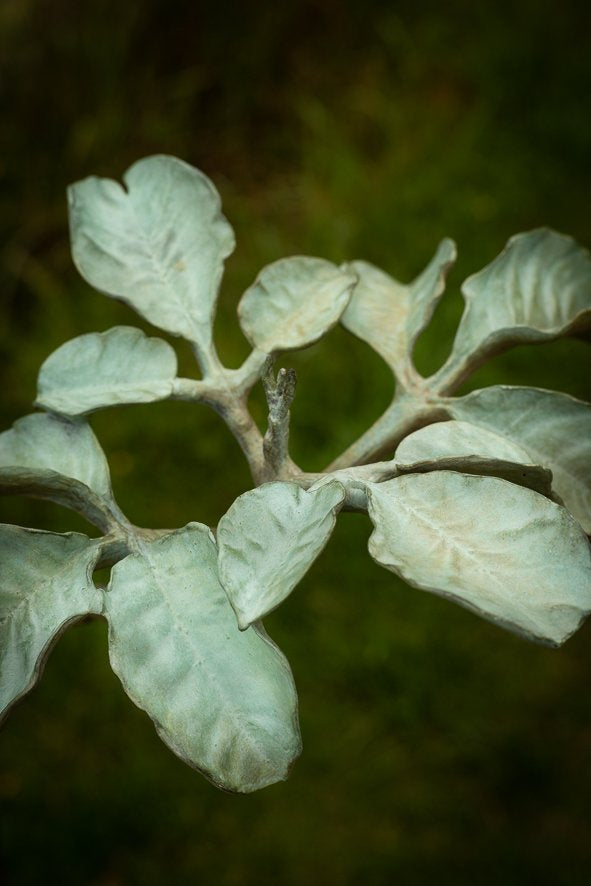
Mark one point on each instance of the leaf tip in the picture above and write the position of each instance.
(244, 621)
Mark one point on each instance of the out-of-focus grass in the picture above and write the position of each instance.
(437, 748)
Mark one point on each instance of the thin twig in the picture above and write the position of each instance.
(279, 392)
(242, 425)
(226, 392)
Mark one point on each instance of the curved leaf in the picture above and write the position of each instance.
(45, 584)
(48, 442)
(389, 315)
(531, 476)
(49, 485)
(223, 700)
(460, 446)
(294, 302)
(159, 244)
(554, 428)
(101, 369)
(501, 550)
(268, 540)
(457, 438)
(538, 288)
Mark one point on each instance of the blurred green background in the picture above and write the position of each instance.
(437, 749)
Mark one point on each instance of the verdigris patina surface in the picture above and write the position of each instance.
(485, 499)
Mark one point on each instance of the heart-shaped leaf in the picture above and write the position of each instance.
(389, 315)
(159, 243)
(101, 369)
(538, 288)
(499, 549)
(45, 584)
(554, 429)
(268, 540)
(294, 302)
(223, 700)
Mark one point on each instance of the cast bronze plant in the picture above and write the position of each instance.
(486, 500)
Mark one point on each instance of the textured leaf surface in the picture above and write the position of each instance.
(121, 365)
(49, 442)
(159, 244)
(458, 445)
(268, 540)
(389, 315)
(554, 428)
(49, 485)
(294, 302)
(451, 438)
(539, 287)
(531, 476)
(501, 550)
(45, 583)
(223, 700)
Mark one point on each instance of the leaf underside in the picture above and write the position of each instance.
(538, 288)
(553, 428)
(530, 476)
(49, 442)
(461, 446)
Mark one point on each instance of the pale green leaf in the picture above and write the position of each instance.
(499, 549)
(294, 302)
(49, 485)
(389, 315)
(223, 700)
(268, 540)
(458, 445)
(531, 476)
(538, 288)
(554, 429)
(48, 442)
(109, 368)
(45, 584)
(457, 438)
(159, 243)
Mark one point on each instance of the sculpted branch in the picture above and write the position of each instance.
(484, 499)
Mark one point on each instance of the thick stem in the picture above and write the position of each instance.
(207, 359)
(114, 547)
(231, 406)
(226, 391)
(193, 391)
(279, 392)
(246, 376)
(354, 481)
(242, 425)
